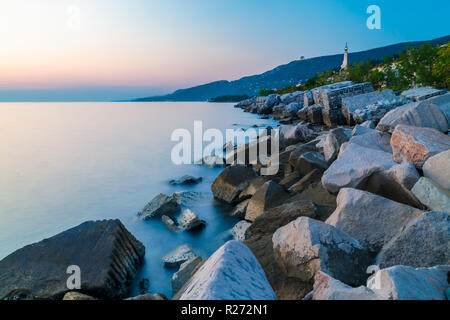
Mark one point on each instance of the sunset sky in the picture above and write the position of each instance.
(131, 48)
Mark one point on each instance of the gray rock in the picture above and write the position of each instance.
(161, 205)
(269, 195)
(370, 106)
(231, 182)
(333, 141)
(432, 195)
(437, 169)
(292, 134)
(407, 283)
(179, 255)
(416, 114)
(359, 130)
(253, 186)
(404, 174)
(328, 288)
(107, 254)
(422, 93)
(306, 246)
(443, 103)
(368, 124)
(423, 242)
(188, 220)
(239, 230)
(361, 157)
(231, 273)
(180, 277)
(370, 219)
(186, 179)
(288, 98)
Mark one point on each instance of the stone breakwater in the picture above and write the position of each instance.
(359, 209)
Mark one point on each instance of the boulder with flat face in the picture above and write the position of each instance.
(415, 145)
(108, 257)
(292, 134)
(437, 169)
(370, 219)
(418, 114)
(161, 205)
(288, 98)
(269, 195)
(231, 182)
(423, 242)
(306, 246)
(310, 161)
(407, 283)
(231, 273)
(358, 160)
(432, 195)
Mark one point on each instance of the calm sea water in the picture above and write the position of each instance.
(65, 163)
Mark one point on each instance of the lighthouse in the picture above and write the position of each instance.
(345, 62)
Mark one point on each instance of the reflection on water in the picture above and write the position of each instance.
(65, 163)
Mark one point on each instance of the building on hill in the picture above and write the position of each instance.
(345, 62)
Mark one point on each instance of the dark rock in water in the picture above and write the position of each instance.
(144, 286)
(107, 254)
(188, 220)
(161, 205)
(186, 179)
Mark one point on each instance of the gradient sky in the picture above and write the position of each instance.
(133, 48)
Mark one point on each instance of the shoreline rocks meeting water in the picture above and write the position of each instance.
(363, 185)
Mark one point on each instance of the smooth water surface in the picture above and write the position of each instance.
(64, 163)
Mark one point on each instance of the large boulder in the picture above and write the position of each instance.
(328, 288)
(366, 163)
(423, 242)
(107, 255)
(407, 283)
(180, 277)
(269, 195)
(306, 246)
(362, 156)
(418, 114)
(437, 169)
(292, 134)
(432, 195)
(370, 219)
(259, 240)
(161, 205)
(370, 106)
(231, 182)
(415, 145)
(188, 220)
(296, 96)
(179, 255)
(231, 273)
(333, 141)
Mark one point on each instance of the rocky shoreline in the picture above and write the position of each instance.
(359, 209)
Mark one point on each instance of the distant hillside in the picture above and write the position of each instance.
(282, 76)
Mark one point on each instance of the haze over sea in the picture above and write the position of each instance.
(65, 163)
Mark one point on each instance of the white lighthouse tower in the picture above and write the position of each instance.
(345, 62)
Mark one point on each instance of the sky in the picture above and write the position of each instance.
(93, 50)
